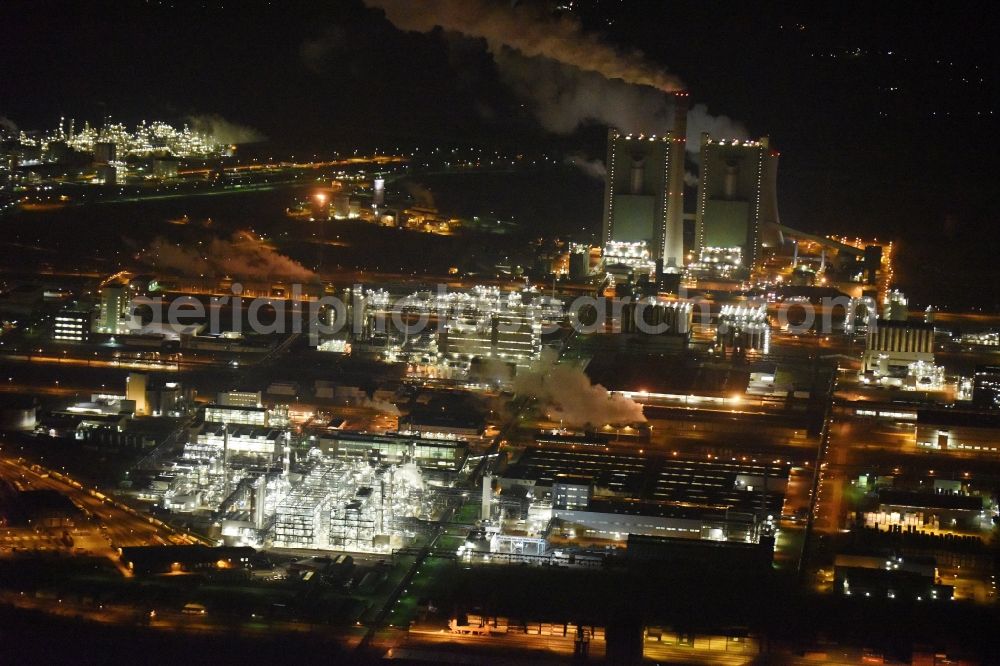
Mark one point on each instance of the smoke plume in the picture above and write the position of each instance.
(420, 194)
(719, 127)
(222, 131)
(571, 77)
(8, 124)
(382, 406)
(564, 98)
(571, 398)
(593, 168)
(529, 33)
(241, 256)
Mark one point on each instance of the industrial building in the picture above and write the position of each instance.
(893, 346)
(135, 391)
(895, 306)
(743, 328)
(603, 495)
(939, 511)
(700, 554)
(397, 448)
(353, 491)
(247, 440)
(628, 261)
(953, 430)
(737, 210)
(174, 559)
(657, 316)
(459, 326)
(889, 577)
(236, 414)
(350, 505)
(644, 189)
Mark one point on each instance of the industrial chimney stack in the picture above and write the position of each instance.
(673, 251)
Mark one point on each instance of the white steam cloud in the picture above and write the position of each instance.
(571, 398)
(571, 77)
(421, 195)
(719, 127)
(564, 98)
(530, 33)
(223, 131)
(382, 406)
(593, 168)
(241, 256)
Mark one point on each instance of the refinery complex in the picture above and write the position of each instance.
(567, 391)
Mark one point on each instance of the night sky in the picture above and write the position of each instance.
(884, 113)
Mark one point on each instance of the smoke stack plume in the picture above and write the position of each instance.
(241, 256)
(570, 77)
(223, 131)
(569, 396)
(529, 33)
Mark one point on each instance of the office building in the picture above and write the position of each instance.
(644, 189)
(737, 211)
(239, 399)
(72, 325)
(115, 301)
(986, 387)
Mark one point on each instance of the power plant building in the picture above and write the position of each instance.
(644, 189)
(737, 210)
(893, 346)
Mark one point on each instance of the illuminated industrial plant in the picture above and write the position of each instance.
(143, 140)
(456, 326)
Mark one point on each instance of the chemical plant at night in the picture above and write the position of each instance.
(471, 334)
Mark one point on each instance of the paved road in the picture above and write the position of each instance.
(122, 526)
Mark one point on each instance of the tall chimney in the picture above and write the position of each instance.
(637, 175)
(225, 460)
(487, 498)
(259, 501)
(673, 242)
